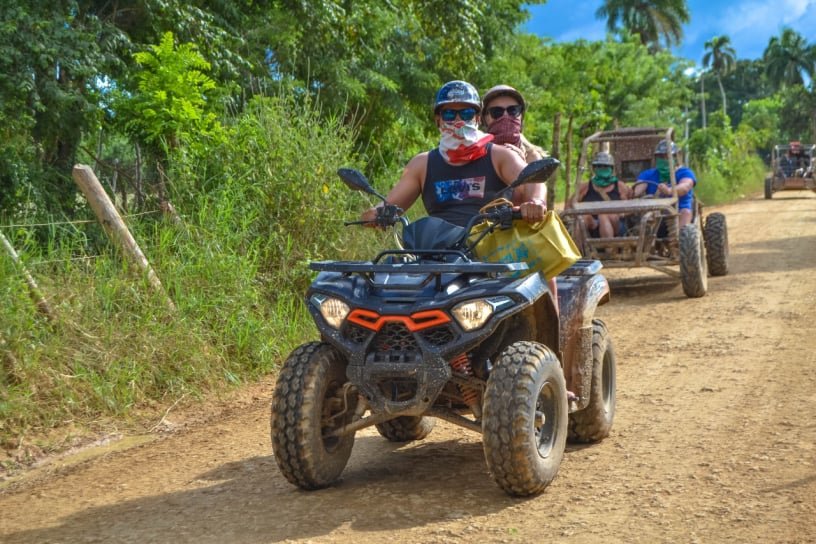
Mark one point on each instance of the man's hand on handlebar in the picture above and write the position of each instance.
(381, 216)
(533, 211)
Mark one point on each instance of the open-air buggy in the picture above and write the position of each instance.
(791, 173)
(650, 233)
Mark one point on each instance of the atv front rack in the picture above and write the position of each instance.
(431, 270)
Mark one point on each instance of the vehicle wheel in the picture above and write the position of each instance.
(406, 428)
(524, 423)
(716, 244)
(307, 400)
(768, 188)
(594, 422)
(693, 273)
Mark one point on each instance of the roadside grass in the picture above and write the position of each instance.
(255, 212)
(724, 184)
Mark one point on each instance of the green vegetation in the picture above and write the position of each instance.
(237, 115)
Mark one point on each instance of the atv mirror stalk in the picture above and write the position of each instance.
(355, 180)
(537, 172)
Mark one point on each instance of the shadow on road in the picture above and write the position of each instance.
(385, 487)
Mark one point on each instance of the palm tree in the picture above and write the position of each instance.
(722, 59)
(651, 19)
(788, 58)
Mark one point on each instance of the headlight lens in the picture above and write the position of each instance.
(473, 314)
(333, 310)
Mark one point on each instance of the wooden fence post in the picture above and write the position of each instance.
(114, 225)
(33, 288)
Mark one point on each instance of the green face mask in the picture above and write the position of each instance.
(662, 166)
(604, 177)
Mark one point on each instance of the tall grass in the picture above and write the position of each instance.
(255, 210)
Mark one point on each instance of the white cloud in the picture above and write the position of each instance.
(753, 16)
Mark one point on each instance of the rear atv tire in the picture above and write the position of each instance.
(768, 188)
(524, 423)
(406, 428)
(716, 244)
(693, 273)
(308, 397)
(594, 422)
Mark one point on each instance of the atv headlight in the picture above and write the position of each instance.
(333, 310)
(475, 313)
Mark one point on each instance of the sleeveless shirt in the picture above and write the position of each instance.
(457, 193)
(593, 195)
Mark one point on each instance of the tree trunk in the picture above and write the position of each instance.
(568, 161)
(702, 98)
(555, 152)
(722, 92)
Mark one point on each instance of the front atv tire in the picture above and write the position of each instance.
(594, 422)
(716, 244)
(406, 428)
(768, 188)
(524, 423)
(308, 403)
(693, 273)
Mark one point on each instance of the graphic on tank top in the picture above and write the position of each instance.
(460, 189)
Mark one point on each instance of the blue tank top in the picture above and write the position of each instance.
(457, 193)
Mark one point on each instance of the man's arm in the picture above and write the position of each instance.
(407, 189)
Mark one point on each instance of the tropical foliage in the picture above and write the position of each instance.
(656, 22)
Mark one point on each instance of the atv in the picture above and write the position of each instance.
(426, 331)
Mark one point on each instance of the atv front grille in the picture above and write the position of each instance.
(356, 333)
(438, 336)
(394, 337)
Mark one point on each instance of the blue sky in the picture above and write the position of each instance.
(749, 23)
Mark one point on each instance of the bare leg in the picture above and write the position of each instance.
(685, 217)
(609, 225)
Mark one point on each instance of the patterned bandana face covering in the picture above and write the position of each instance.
(506, 129)
(462, 141)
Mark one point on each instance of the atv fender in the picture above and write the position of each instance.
(581, 289)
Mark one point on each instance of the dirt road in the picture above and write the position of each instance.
(714, 440)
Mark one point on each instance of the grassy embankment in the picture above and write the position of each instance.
(255, 211)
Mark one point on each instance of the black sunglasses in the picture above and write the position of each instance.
(466, 114)
(497, 111)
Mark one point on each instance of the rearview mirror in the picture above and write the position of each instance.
(537, 171)
(355, 180)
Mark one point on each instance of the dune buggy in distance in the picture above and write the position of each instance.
(426, 331)
(791, 175)
(650, 234)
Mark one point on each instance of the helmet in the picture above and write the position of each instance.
(663, 148)
(457, 91)
(602, 158)
(504, 90)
